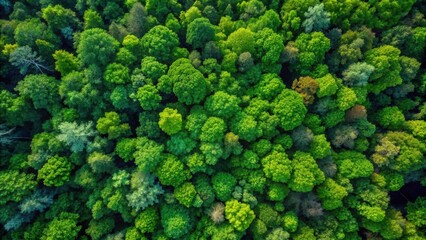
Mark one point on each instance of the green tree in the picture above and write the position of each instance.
(58, 17)
(15, 185)
(151, 68)
(312, 48)
(289, 107)
(331, 194)
(106, 49)
(385, 60)
(189, 85)
(306, 173)
(74, 135)
(239, 214)
(41, 89)
(223, 185)
(159, 42)
(357, 74)
(110, 124)
(186, 195)
(63, 227)
(144, 191)
(175, 220)
(148, 220)
(100, 162)
(116, 73)
(213, 130)
(277, 166)
(65, 62)
(92, 19)
(148, 97)
(317, 19)
(391, 118)
(56, 172)
(351, 164)
(222, 105)
(416, 212)
(199, 32)
(137, 21)
(171, 171)
(170, 121)
(242, 40)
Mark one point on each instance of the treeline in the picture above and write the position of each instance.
(228, 119)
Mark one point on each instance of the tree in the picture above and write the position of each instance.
(385, 60)
(56, 172)
(246, 127)
(290, 221)
(222, 104)
(153, 69)
(147, 220)
(277, 166)
(137, 21)
(312, 48)
(306, 87)
(41, 89)
(327, 86)
(181, 143)
(317, 19)
(199, 32)
(289, 107)
(116, 74)
(331, 194)
(416, 212)
(357, 74)
(269, 47)
(346, 98)
(187, 195)
(223, 185)
(58, 17)
(25, 59)
(399, 151)
(144, 191)
(239, 214)
(391, 118)
(65, 62)
(241, 40)
(351, 164)
(175, 220)
(306, 173)
(148, 97)
(189, 85)
(388, 13)
(213, 130)
(106, 48)
(159, 42)
(110, 124)
(63, 227)
(171, 171)
(170, 121)
(27, 32)
(92, 19)
(100, 162)
(15, 185)
(74, 135)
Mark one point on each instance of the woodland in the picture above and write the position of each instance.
(212, 119)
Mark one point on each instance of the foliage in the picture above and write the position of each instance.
(74, 135)
(239, 214)
(200, 119)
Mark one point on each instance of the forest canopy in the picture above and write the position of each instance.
(202, 119)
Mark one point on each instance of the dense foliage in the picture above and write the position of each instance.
(202, 119)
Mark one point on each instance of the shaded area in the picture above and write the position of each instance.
(408, 193)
